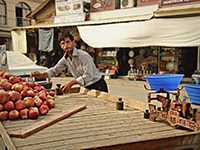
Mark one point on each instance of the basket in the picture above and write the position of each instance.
(193, 91)
(169, 82)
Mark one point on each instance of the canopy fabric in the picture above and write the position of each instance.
(155, 32)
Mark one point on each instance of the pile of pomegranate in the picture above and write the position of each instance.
(20, 99)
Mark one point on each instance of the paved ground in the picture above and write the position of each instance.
(124, 87)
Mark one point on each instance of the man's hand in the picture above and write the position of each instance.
(37, 74)
(66, 87)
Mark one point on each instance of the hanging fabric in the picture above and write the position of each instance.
(19, 41)
(46, 39)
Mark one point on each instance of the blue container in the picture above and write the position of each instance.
(193, 91)
(169, 82)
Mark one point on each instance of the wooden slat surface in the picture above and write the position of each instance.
(6, 138)
(100, 125)
(35, 127)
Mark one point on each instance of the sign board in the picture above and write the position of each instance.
(3, 58)
(99, 5)
(64, 7)
(69, 18)
(176, 2)
(147, 2)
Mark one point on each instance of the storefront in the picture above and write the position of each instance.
(153, 39)
(166, 43)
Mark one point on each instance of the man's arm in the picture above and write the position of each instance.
(66, 87)
(37, 74)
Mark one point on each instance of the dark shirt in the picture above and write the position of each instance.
(55, 58)
(47, 62)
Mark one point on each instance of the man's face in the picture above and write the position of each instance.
(67, 45)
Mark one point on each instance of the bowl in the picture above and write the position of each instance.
(193, 91)
(169, 82)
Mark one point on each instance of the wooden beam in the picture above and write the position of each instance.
(46, 122)
(6, 138)
(113, 98)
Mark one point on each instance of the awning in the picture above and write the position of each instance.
(86, 23)
(154, 32)
(105, 17)
(193, 8)
(139, 29)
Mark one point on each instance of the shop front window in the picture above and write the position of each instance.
(146, 60)
(168, 60)
(106, 61)
(106, 58)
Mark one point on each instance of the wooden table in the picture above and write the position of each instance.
(100, 126)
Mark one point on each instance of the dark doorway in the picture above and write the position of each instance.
(187, 60)
(122, 58)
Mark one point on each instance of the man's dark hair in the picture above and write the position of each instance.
(65, 35)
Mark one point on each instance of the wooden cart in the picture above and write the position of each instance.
(98, 126)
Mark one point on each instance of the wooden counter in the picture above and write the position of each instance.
(100, 126)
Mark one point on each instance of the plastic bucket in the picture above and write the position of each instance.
(193, 92)
(169, 82)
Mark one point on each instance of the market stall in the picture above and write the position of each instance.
(99, 126)
(138, 28)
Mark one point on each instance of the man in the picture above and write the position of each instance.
(80, 65)
(55, 57)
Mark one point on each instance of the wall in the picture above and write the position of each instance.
(46, 15)
(5, 31)
(11, 19)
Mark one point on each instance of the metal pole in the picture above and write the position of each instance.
(198, 55)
